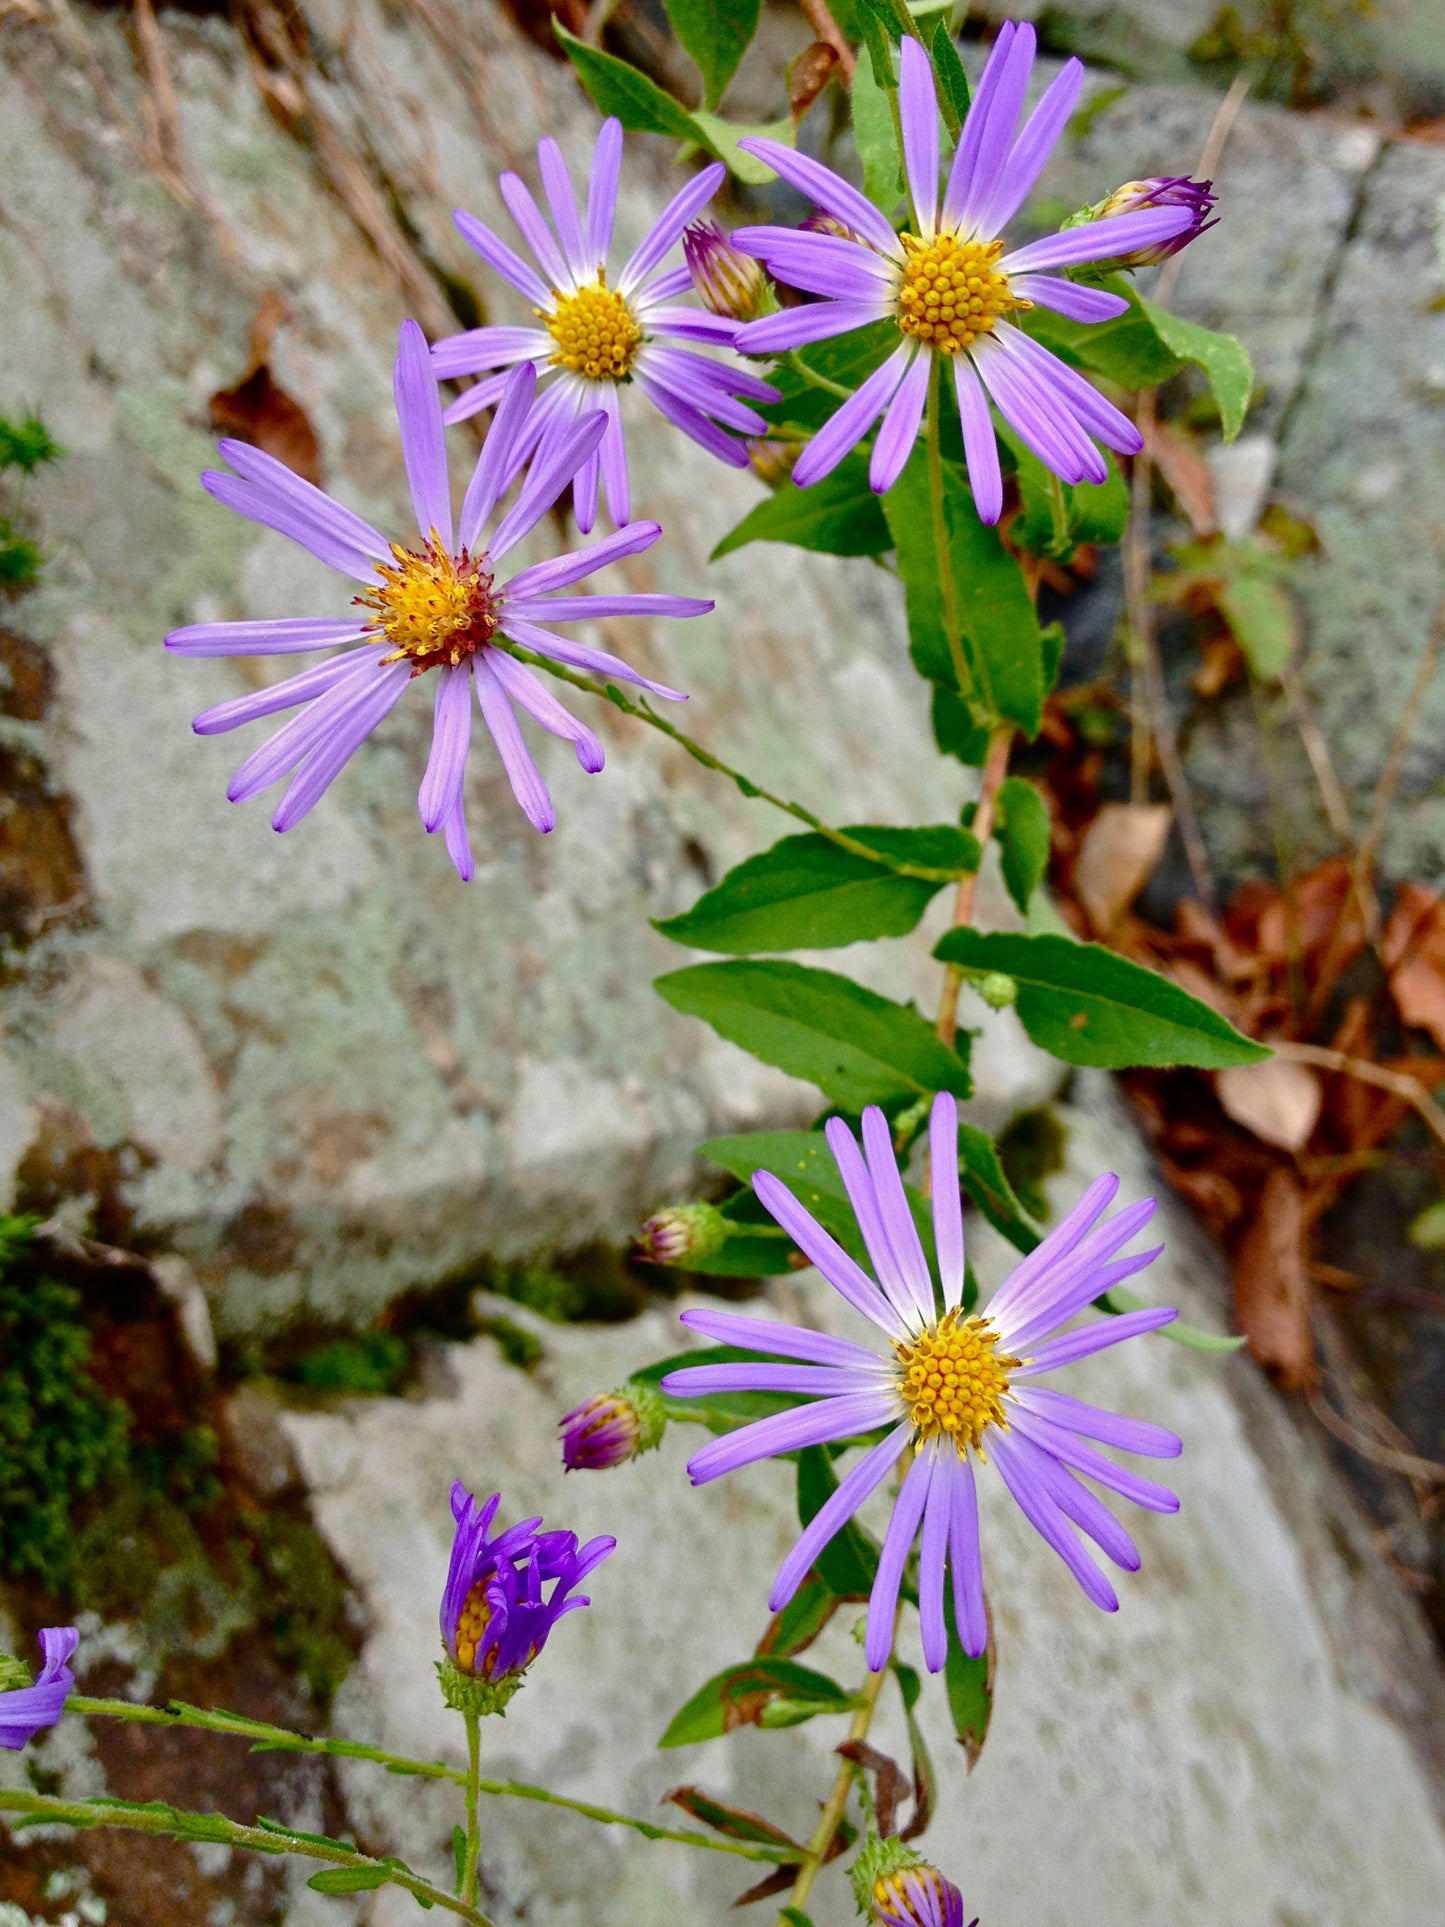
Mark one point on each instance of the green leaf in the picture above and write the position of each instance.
(1093, 511)
(1090, 1006)
(856, 1046)
(1225, 362)
(722, 136)
(716, 34)
(618, 88)
(838, 516)
(1000, 627)
(925, 1784)
(805, 1164)
(1022, 829)
(953, 91)
(1127, 350)
(846, 360)
(736, 1823)
(794, 1629)
(969, 1684)
(348, 1880)
(807, 893)
(1247, 580)
(848, 1564)
(1119, 1299)
(459, 1853)
(981, 1170)
(739, 1696)
(795, 1917)
(955, 730)
(719, 1411)
(874, 132)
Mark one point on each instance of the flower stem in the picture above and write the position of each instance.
(645, 713)
(952, 627)
(995, 768)
(814, 380)
(474, 1832)
(838, 1799)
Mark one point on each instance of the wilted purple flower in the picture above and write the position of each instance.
(26, 1709)
(949, 287)
(596, 335)
(917, 1897)
(495, 1612)
(612, 1427)
(1169, 190)
(951, 1384)
(436, 606)
(727, 282)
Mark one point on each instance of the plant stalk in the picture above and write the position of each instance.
(474, 1832)
(837, 1800)
(995, 769)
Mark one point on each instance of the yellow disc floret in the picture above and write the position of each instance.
(594, 330)
(952, 291)
(434, 607)
(472, 1623)
(953, 1379)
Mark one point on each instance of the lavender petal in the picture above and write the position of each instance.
(294, 741)
(441, 786)
(1099, 240)
(947, 1200)
(817, 321)
(1070, 298)
(522, 686)
(1072, 1452)
(679, 373)
(835, 1512)
(858, 1182)
(895, 1218)
(613, 457)
(459, 848)
(280, 695)
(845, 429)
(534, 230)
(578, 655)
(966, 1557)
(1076, 1502)
(1098, 416)
(1032, 149)
(498, 256)
(693, 422)
(549, 475)
(918, 113)
(980, 444)
(691, 1381)
(295, 519)
(525, 778)
(1039, 1508)
(602, 190)
(829, 190)
(937, 1515)
(789, 1341)
(288, 636)
(331, 756)
(988, 132)
(826, 1420)
(897, 1543)
(584, 491)
(423, 439)
(1083, 1343)
(848, 1279)
(561, 570)
(588, 608)
(1110, 1428)
(901, 423)
(1056, 1245)
(562, 200)
(482, 349)
(685, 324)
(473, 400)
(1013, 1309)
(492, 471)
(668, 226)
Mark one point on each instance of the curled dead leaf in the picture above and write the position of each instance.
(1272, 1283)
(1413, 948)
(259, 410)
(808, 76)
(1124, 843)
(1277, 1100)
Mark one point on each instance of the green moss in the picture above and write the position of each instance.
(1031, 1148)
(374, 1363)
(307, 1602)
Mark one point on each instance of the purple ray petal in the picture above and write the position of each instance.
(584, 490)
(965, 1556)
(848, 1279)
(288, 636)
(602, 190)
(825, 264)
(480, 349)
(1066, 1302)
(561, 570)
(692, 421)
(1031, 150)
(1072, 1452)
(588, 608)
(1110, 1428)
(1070, 298)
(480, 395)
(1037, 423)
(348, 732)
(522, 773)
(534, 230)
(1098, 416)
(441, 786)
(835, 1512)
(947, 1201)
(1013, 1308)
(281, 695)
(312, 504)
(704, 378)
(668, 226)
(937, 1515)
(294, 741)
(312, 527)
(1099, 240)
(498, 256)
(553, 412)
(988, 130)
(1076, 1502)
(562, 199)
(821, 1381)
(423, 439)
(694, 382)
(523, 686)
(900, 426)
(858, 1182)
(790, 1341)
(897, 1220)
(549, 475)
(687, 324)
(578, 655)
(829, 190)
(897, 1542)
(613, 458)
(490, 475)
(980, 444)
(1057, 1244)
(816, 321)
(1039, 1508)
(918, 112)
(1075, 1345)
(844, 430)
(459, 848)
(824, 1421)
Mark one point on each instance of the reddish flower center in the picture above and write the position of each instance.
(433, 606)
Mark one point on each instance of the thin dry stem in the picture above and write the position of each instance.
(816, 13)
(1400, 1083)
(838, 1799)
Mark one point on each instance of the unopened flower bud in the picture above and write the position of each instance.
(730, 283)
(996, 990)
(895, 1887)
(612, 1428)
(682, 1234)
(1175, 190)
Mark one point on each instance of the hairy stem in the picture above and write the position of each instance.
(474, 1832)
(995, 769)
(952, 627)
(838, 1799)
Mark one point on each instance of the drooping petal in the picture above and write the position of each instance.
(820, 1423)
(459, 849)
(348, 732)
(1075, 1345)
(897, 1543)
(533, 229)
(1041, 419)
(1043, 1514)
(667, 228)
(498, 256)
(481, 349)
(1032, 149)
(1098, 416)
(523, 686)
(613, 458)
(584, 490)
(844, 430)
(1076, 1502)
(547, 478)
(493, 469)
(694, 381)
(602, 190)
(900, 427)
(980, 444)
(691, 421)
(441, 786)
(1098, 240)
(848, 1279)
(1072, 1452)
(287, 636)
(835, 1512)
(533, 797)
(947, 1200)
(295, 740)
(578, 655)
(276, 696)
(1070, 298)
(829, 190)
(789, 1341)
(918, 113)
(423, 439)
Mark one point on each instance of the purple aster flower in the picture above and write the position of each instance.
(952, 1388)
(950, 288)
(435, 606)
(26, 1709)
(596, 334)
(496, 1612)
(1170, 190)
(917, 1896)
(612, 1428)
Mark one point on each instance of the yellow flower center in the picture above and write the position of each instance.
(953, 1379)
(472, 1623)
(951, 291)
(594, 330)
(434, 607)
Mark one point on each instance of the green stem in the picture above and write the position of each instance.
(1059, 510)
(474, 1832)
(952, 627)
(813, 379)
(645, 713)
(838, 1799)
(280, 1739)
(265, 1837)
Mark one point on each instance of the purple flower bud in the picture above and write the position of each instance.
(1173, 190)
(27, 1708)
(682, 1234)
(612, 1428)
(730, 283)
(917, 1896)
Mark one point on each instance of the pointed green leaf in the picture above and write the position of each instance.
(739, 1695)
(874, 133)
(1225, 361)
(793, 1630)
(808, 894)
(969, 1684)
(618, 88)
(953, 92)
(986, 1182)
(1127, 350)
(805, 1164)
(1088, 1005)
(716, 34)
(722, 137)
(1118, 1299)
(459, 1853)
(857, 1047)
(955, 729)
(848, 1564)
(838, 516)
(1022, 829)
(348, 1880)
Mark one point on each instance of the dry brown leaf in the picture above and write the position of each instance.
(1272, 1283)
(1188, 475)
(1279, 1101)
(1222, 663)
(1413, 948)
(1322, 914)
(258, 409)
(808, 76)
(1123, 844)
